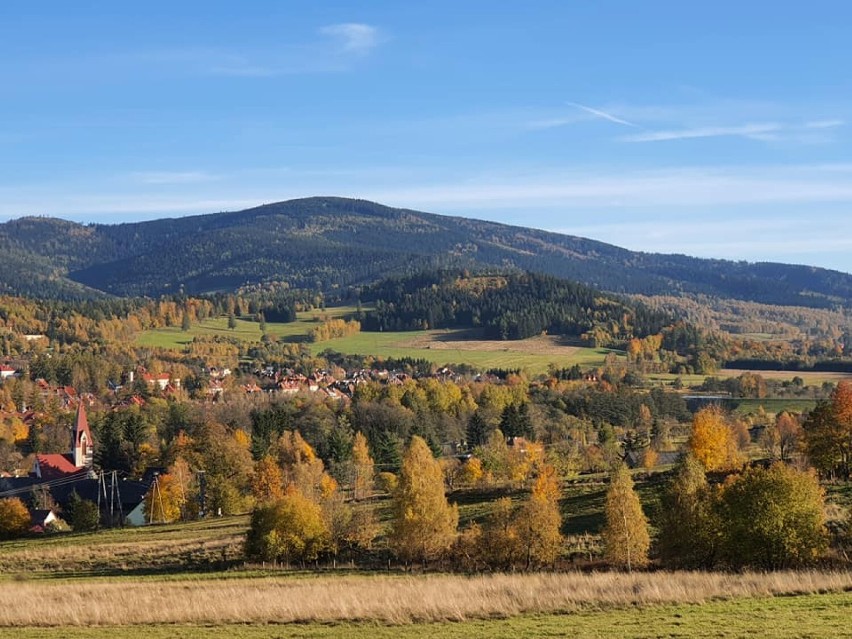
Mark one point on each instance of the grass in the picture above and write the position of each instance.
(199, 545)
(439, 347)
(811, 378)
(416, 344)
(386, 600)
(773, 405)
(815, 616)
(173, 337)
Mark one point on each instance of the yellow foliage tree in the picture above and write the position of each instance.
(625, 535)
(290, 529)
(14, 518)
(539, 521)
(165, 499)
(363, 468)
(267, 483)
(424, 524)
(471, 472)
(712, 442)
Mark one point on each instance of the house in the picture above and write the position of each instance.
(6, 372)
(122, 499)
(162, 380)
(79, 461)
(41, 519)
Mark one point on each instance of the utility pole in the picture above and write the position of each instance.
(202, 494)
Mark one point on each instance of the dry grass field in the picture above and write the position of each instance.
(387, 600)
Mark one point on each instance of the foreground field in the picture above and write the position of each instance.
(809, 616)
(385, 600)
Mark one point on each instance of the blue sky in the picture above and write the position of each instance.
(714, 129)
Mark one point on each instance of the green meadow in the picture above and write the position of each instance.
(439, 347)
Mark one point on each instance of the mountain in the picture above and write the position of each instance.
(330, 243)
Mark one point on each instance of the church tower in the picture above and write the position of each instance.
(81, 439)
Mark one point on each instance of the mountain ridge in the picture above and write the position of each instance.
(331, 243)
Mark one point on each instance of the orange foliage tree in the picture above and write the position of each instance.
(712, 442)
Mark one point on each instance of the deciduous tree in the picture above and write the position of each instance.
(290, 529)
(688, 531)
(424, 524)
(772, 518)
(539, 521)
(625, 535)
(828, 433)
(363, 469)
(712, 441)
(14, 518)
(267, 483)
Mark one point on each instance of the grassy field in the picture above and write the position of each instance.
(394, 600)
(440, 347)
(806, 616)
(187, 580)
(246, 330)
(810, 378)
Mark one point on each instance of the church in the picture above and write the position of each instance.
(49, 467)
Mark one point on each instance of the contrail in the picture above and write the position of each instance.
(602, 114)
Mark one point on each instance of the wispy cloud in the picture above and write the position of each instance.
(602, 114)
(745, 131)
(824, 124)
(354, 37)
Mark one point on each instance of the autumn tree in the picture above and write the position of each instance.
(688, 529)
(539, 520)
(424, 524)
(290, 529)
(772, 518)
(267, 483)
(363, 470)
(789, 434)
(712, 441)
(165, 500)
(828, 433)
(625, 535)
(14, 518)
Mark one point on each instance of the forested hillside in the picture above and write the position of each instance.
(514, 306)
(329, 243)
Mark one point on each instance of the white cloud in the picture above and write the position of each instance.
(354, 37)
(754, 131)
(824, 124)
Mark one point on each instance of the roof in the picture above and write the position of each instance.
(131, 493)
(38, 516)
(55, 466)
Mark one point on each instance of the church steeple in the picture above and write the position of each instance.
(81, 439)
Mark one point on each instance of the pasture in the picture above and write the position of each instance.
(438, 346)
(438, 606)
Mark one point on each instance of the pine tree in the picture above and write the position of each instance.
(625, 535)
(424, 524)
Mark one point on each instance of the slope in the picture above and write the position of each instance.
(329, 243)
